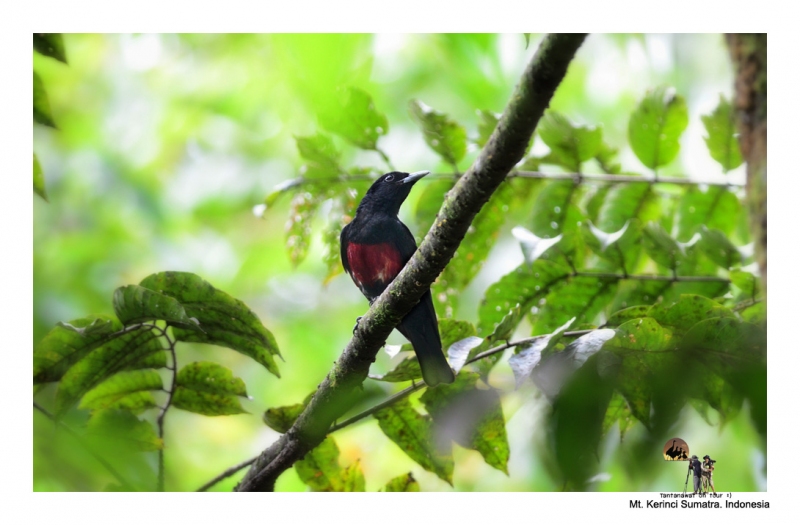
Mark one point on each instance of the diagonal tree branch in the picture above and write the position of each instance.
(504, 149)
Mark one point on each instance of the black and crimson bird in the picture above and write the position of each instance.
(375, 247)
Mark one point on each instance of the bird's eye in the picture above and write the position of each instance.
(389, 178)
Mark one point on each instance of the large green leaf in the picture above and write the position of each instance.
(582, 297)
(38, 179)
(136, 304)
(656, 125)
(716, 208)
(523, 286)
(320, 470)
(129, 390)
(471, 417)
(225, 321)
(209, 389)
(123, 352)
(569, 145)
(67, 343)
(41, 105)
(123, 429)
(412, 432)
(51, 45)
(445, 136)
(355, 118)
(722, 139)
(689, 310)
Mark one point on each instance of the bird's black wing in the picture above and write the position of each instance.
(343, 239)
(406, 244)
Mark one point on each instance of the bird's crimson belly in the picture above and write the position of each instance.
(373, 264)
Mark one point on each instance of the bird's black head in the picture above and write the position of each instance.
(388, 192)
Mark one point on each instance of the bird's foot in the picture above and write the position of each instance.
(358, 319)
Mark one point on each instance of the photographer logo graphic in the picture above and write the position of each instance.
(676, 449)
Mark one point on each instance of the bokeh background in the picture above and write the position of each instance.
(167, 143)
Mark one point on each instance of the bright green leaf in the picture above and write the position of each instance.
(745, 281)
(662, 248)
(718, 248)
(41, 105)
(569, 145)
(298, 226)
(582, 297)
(689, 310)
(281, 419)
(38, 179)
(124, 429)
(716, 207)
(444, 135)
(135, 304)
(320, 150)
(355, 118)
(320, 470)
(722, 139)
(656, 126)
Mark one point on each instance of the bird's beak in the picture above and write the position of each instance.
(413, 177)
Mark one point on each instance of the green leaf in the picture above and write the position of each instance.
(722, 139)
(689, 310)
(404, 483)
(582, 297)
(50, 45)
(550, 211)
(355, 118)
(569, 145)
(408, 369)
(718, 248)
(656, 126)
(124, 429)
(38, 179)
(471, 417)
(319, 149)
(209, 389)
(67, 343)
(281, 419)
(225, 321)
(627, 314)
(320, 470)
(128, 390)
(444, 136)
(618, 412)
(412, 432)
(135, 304)
(716, 208)
(122, 352)
(624, 202)
(662, 248)
(619, 247)
(523, 286)
(474, 248)
(745, 281)
(41, 105)
(606, 157)
(430, 201)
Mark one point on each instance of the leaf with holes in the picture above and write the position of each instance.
(209, 389)
(298, 225)
(41, 105)
(656, 126)
(128, 390)
(412, 432)
(569, 145)
(355, 118)
(722, 139)
(225, 321)
(50, 45)
(113, 355)
(445, 136)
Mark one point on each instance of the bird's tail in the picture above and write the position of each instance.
(420, 328)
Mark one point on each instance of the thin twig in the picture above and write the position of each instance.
(122, 481)
(230, 472)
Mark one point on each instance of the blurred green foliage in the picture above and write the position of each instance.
(238, 158)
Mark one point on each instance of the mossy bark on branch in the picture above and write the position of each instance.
(504, 149)
(749, 55)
